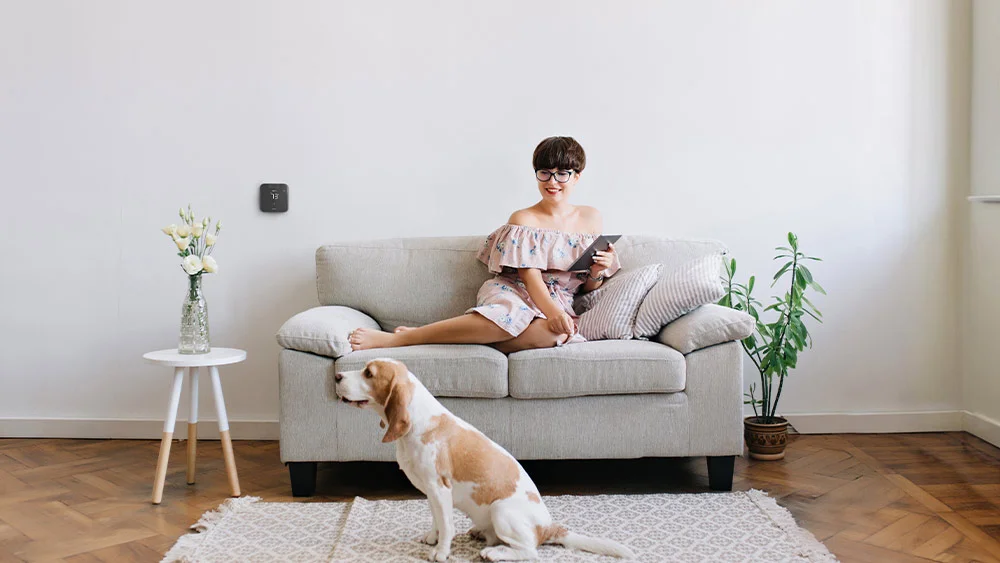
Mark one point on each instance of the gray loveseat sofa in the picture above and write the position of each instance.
(600, 399)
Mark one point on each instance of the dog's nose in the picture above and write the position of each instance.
(337, 377)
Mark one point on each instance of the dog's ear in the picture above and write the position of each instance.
(397, 406)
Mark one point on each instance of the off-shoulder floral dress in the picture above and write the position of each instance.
(505, 299)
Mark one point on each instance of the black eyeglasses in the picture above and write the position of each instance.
(562, 176)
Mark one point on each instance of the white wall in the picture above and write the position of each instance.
(844, 121)
(982, 327)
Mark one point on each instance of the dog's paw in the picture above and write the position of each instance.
(493, 554)
(439, 555)
(431, 538)
(477, 534)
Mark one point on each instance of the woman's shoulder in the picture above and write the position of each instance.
(591, 219)
(524, 218)
(588, 212)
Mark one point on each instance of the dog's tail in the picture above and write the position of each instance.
(561, 536)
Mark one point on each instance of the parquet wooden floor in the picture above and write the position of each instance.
(877, 498)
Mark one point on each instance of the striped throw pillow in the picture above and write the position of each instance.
(679, 291)
(611, 315)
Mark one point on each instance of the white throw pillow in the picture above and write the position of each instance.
(610, 313)
(706, 326)
(690, 285)
(323, 330)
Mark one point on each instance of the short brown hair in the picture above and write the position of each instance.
(559, 152)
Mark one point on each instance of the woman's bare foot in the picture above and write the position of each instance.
(402, 329)
(366, 338)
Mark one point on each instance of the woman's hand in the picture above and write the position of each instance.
(561, 323)
(602, 261)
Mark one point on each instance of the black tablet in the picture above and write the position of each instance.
(586, 260)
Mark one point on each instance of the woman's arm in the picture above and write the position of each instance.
(539, 293)
(602, 260)
(591, 284)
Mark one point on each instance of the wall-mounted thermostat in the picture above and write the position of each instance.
(274, 198)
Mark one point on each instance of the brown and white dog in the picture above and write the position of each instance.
(456, 465)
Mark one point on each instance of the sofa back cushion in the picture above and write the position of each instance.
(409, 281)
(415, 281)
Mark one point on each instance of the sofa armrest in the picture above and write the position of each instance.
(706, 326)
(323, 330)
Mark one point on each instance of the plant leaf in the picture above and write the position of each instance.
(810, 313)
(790, 351)
(781, 272)
(800, 279)
(806, 274)
(810, 305)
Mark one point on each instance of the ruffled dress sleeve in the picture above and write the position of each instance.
(514, 246)
(517, 246)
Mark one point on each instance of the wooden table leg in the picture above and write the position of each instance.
(227, 443)
(192, 443)
(168, 436)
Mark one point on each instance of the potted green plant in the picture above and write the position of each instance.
(774, 346)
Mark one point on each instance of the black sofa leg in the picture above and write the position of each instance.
(720, 472)
(303, 475)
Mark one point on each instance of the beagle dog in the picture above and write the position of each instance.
(457, 466)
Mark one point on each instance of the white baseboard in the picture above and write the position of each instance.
(876, 422)
(981, 426)
(130, 428)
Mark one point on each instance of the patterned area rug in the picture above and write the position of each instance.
(718, 527)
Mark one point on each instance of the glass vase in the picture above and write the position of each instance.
(194, 320)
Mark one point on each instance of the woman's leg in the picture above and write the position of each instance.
(470, 328)
(537, 335)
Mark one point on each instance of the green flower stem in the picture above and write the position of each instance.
(193, 287)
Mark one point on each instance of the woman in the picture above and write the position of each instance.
(529, 304)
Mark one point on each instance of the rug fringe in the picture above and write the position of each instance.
(187, 544)
(810, 548)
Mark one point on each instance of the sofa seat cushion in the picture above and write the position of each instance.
(602, 367)
(447, 370)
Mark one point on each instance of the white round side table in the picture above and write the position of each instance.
(191, 364)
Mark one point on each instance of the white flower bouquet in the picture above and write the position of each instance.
(194, 245)
(195, 242)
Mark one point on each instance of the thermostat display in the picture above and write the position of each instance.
(274, 198)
